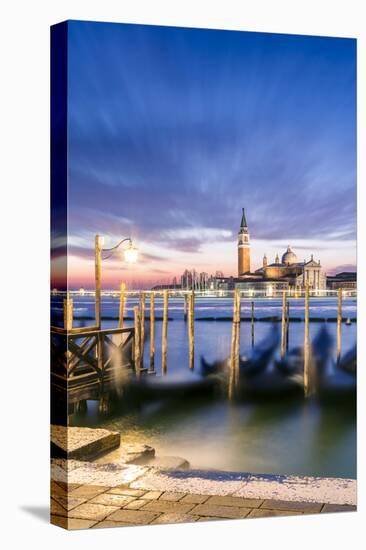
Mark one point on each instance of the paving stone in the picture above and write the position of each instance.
(172, 517)
(309, 507)
(87, 491)
(328, 508)
(57, 489)
(230, 512)
(127, 491)
(267, 513)
(153, 495)
(56, 509)
(194, 499)
(59, 521)
(111, 500)
(68, 501)
(137, 517)
(73, 523)
(135, 504)
(167, 506)
(92, 511)
(171, 497)
(106, 523)
(235, 501)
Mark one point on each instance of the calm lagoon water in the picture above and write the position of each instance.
(279, 438)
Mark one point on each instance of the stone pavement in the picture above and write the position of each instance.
(83, 506)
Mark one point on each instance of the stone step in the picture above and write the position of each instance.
(82, 443)
(167, 463)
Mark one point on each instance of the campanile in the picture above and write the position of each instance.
(243, 247)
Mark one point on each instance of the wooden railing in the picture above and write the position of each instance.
(85, 362)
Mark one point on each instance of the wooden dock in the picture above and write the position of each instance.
(88, 362)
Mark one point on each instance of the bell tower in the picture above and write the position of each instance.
(243, 247)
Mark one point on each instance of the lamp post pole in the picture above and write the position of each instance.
(130, 257)
(98, 261)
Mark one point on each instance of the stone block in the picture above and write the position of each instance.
(309, 507)
(328, 508)
(229, 512)
(137, 517)
(171, 497)
(135, 504)
(235, 501)
(126, 491)
(108, 499)
(167, 506)
(175, 517)
(82, 443)
(87, 491)
(194, 499)
(95, 512)
(267, 513)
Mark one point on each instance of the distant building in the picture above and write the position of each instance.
(346, 280)
(243, 247)
(288, 272)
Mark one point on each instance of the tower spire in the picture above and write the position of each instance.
(243, 224)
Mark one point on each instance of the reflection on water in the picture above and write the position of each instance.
(297, 437)
(278, 438)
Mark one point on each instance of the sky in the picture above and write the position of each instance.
(172, 131)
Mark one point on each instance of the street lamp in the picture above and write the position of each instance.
(130, 255)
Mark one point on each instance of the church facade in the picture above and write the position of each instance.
(284, 273)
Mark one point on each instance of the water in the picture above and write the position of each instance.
(303, 438)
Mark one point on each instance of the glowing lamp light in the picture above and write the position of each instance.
(131, 254)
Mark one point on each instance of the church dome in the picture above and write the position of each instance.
(289, 257)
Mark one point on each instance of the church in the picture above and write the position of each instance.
(287, 273)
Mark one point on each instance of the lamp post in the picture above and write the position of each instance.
(130, 253)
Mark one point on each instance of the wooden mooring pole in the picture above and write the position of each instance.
(122, 302)
(152, 332)
(339, 324)
(185, 307)
(164, 333)
(191, 329)
(68, 312)
(283, 324)
(287, 324)
(252, 324)
(306, 345)
(235, 345)
(142, 328)
(137, 353)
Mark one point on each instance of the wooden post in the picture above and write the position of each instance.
(142, 328)
(252, 324)
(235, 337)
(68, 313)
(98, 261)
(152, 332)
(122, 302)
(191, 329)
(164, 334)
(306, 345)
(287, 324)
(283, 324)
(339, 324)
(137, 354)
(185, 307)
